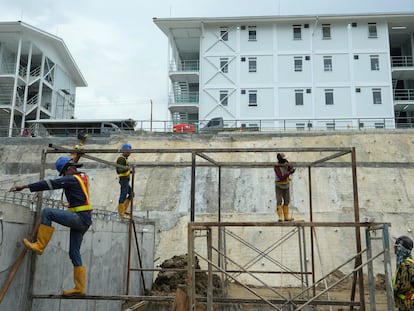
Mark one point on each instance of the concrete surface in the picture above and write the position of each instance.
(385, 171)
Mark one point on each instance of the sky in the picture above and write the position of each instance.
(123, 55)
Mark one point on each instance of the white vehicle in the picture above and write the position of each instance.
(72, 127)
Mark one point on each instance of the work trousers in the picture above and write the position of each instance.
(77, 229)
(126, 189)
(282, 195)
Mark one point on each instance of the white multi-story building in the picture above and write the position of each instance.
(38, 77)
(336, 71)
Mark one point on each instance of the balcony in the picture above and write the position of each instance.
(186, 70)
(402, 67)
(184, 102)
(402, 61)
(404, 94)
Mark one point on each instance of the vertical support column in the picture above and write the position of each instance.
(26, 86)
(311, 229)
(387, 267)
(38, 212)
(190, 269)
(193, 173)
(130, 234)
(358, 260)
(210, 271)
(16, 77)
(371, 280)
(40, 90)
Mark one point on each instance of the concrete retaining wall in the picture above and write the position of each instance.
(385, 171)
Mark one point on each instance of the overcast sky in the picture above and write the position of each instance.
(123, 55)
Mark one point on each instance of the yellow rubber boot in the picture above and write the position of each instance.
(121, 209)
(44, 234)
(79, 278)
(279, 212)
(125, 210)
(286, 213)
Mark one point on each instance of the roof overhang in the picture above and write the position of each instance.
(54, 41)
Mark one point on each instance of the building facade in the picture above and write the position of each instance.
(295, 72)
(38, 77)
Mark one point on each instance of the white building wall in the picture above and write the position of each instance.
(276, 80)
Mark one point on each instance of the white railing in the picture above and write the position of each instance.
(8, 68)
(33, 101)
(287, 125)
(185, 65)
(404, 94)
(184, 98)
(401, 61)
(240, 126)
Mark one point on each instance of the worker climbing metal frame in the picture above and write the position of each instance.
(222, 257)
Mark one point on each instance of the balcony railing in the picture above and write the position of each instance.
(185, 98)
(404, 94)
(185, 65)
(401, 61)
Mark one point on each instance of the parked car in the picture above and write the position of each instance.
(183, 128)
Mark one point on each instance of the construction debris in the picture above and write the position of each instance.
(175, 276)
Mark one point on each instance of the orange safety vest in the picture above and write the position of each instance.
(83, 182)
(283, 170)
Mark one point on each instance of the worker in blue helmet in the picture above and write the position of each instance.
(123, 170)
(78, 216)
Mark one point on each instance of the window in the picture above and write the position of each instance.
(299, 97)
(327, 63)
(252, 33)
(330, 126)
(379, 125)
(372, 30)
(376, 96)
(300, 126)
(326, 31)
(374, 62)
(298, 63)
(224, 34)
(297, 32)
(253, 98)
(224, 95)
(252, 64)
(329, 98)
(224, 65)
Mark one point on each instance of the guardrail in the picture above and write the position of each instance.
(247, 125)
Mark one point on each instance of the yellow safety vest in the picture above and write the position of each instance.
(126, 173)
(83, 182)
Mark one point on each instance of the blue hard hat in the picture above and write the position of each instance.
(126, 146)
(62, 163)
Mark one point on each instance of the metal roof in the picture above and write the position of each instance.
(54, 41)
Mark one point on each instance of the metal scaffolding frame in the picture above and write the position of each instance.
(209, 155)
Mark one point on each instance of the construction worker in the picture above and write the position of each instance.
(124, 173)
(82, 136)
(78, 217)
(403, 284)
(282, 186)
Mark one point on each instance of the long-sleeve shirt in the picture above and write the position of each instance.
(73, 192)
